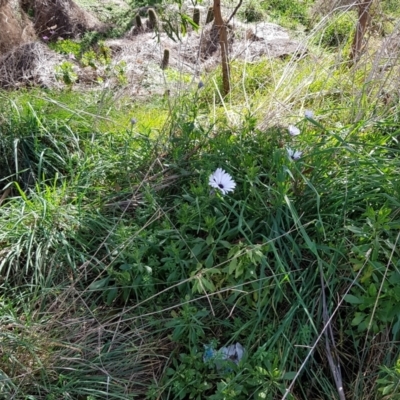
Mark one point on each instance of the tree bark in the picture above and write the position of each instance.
(223, 40)
(364, 18)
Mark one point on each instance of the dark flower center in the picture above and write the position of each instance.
(220, 185)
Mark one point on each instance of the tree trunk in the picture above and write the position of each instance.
(223, 40)
(362, 25)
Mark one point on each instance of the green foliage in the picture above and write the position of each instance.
(89, 58)
(390, 7)
(339, 31)
(389, 381)
(100, 56)
(119, 264)
(378, 300)
(289, 12)
(66, 46)
(88, 40)
(89, 52)
(253, 11)
(65, 72)
(258, 375)
(235, 268)
(142, 3)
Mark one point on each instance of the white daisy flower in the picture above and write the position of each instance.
(294, 154)
(293, 130)
(309, 114)
(222, 181)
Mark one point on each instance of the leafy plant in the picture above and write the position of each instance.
(389, 382)
(378, 302)
(66, 46)
(65, 72)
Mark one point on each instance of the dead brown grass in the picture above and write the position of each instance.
(61, 18)
(32, 64)
(71, 340)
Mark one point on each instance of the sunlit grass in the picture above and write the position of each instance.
(118, 263)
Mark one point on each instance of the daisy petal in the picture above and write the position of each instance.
(294, 154)
(293, 130)
(309, 114)
(222, 181)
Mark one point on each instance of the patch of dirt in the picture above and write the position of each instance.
(62, 18)
(16, 28)
(142, 54)
(197, 52)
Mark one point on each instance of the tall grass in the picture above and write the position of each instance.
(119, 264)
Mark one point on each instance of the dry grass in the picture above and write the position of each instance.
(91, 345)
(32, 64)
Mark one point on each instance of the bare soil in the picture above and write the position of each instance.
(197, 53)
(62, 18)
(15, 26)
(141, 50)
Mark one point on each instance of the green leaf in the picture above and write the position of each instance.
(232, 266)
(99, 284)
(388, 389)
(289, 375)
(358, 319)
(356, 230)
(212, 271)
(208, 285)
(111, 295)
(209, 239)
(353, 299)
(372, 290)
(125, 267)
(186, 19)
(209, 261)
(197, 249)
(225, 243)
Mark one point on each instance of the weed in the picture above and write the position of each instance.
(66, 46)
(65, 72)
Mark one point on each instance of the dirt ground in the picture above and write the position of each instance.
(141, 53)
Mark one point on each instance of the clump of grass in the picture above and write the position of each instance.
(253, 11)
(139, 263)
(287, 13)
(339, 31)
(58, 356)
(198, 267)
